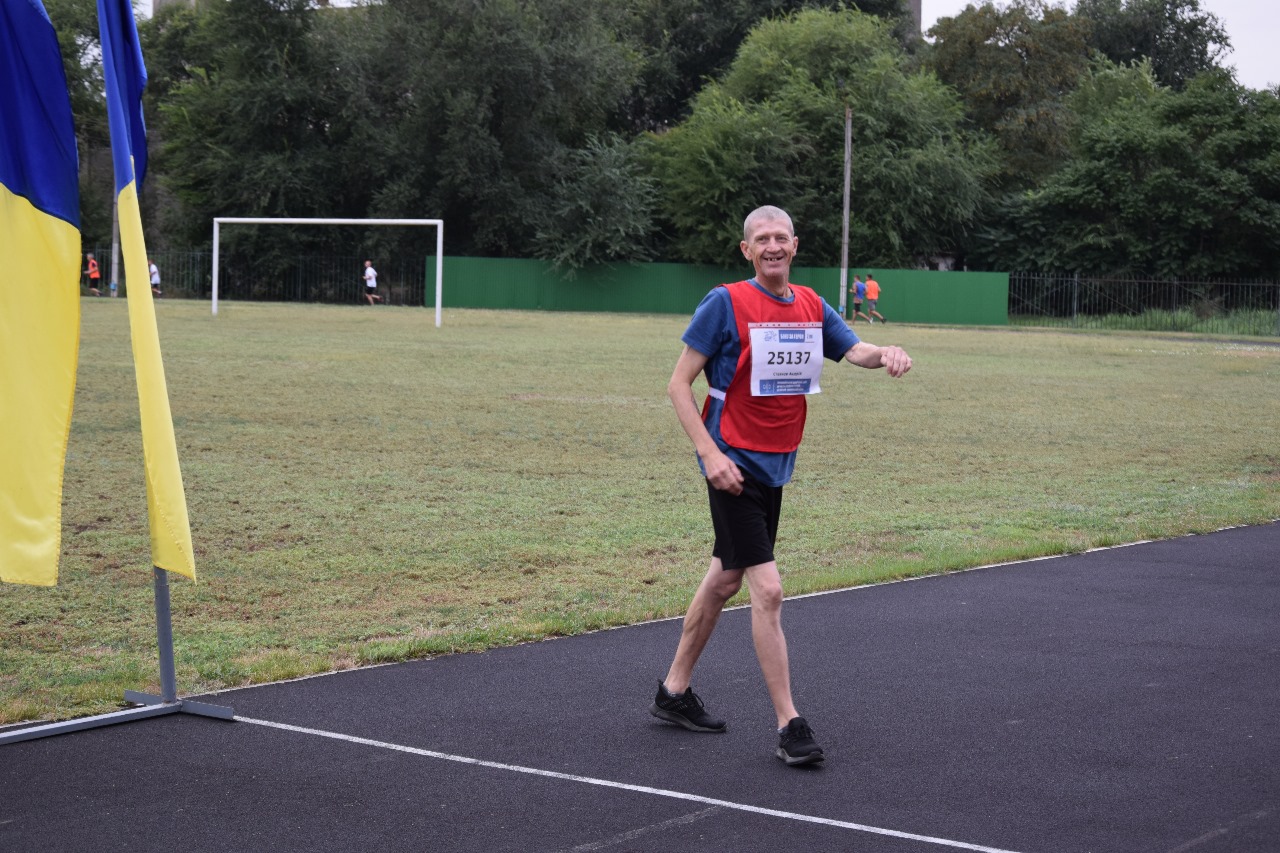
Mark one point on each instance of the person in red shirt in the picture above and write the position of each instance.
(94, 275)
(761, 344)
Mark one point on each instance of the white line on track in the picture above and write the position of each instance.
(626, 837)
(623, 786)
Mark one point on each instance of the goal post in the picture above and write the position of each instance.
(218, 221)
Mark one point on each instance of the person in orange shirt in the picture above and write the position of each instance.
(873, 293)
(94, 276)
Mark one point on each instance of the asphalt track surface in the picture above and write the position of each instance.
(1118, 700)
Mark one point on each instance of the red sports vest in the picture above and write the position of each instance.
(770, 424)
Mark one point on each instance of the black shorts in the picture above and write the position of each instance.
(746, 525)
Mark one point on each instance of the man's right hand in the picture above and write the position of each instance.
(722, 473)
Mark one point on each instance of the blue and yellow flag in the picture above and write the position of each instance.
(39, 291)
(125, 77)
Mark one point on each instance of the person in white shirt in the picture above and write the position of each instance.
(371, 283)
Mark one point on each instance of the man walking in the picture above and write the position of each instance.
(761, 343)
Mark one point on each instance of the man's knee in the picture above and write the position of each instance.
(766, 589)
(726, 585)
(767, 596)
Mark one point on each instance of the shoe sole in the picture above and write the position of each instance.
(679, 720)
(794, 760)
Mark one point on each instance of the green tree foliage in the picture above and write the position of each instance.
(1177, 36)
(684, 44)
(1014, 66)
(1106, 88)
(773, 133)
(1178, 184)
(601, 207)
(463, 110)
(247, 120)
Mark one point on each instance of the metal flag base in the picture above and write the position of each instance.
(152, 706)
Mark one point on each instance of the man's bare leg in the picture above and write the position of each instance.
(771, 645)
(717, 587)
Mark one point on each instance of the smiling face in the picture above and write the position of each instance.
(770, 245)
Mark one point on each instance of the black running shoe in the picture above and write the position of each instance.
(685, 710)
(796, 744)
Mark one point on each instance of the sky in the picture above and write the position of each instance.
(1252, 25)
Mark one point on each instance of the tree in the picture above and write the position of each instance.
(1178, 38)
(1014, 67)
(684, 44)
(1177, 184)
(76, 25)
(465, 110)
(246, 127)
(601, 209)
(773, 132)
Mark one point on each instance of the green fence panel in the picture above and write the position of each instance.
(959, 298)
(535, 285)
(907, 296)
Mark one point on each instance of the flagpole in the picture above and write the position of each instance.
(168, 680)
(164, 638)
(125, 76)
(844, 222)
(151, 706)
(115, 246)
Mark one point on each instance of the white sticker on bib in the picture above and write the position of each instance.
(786, 358)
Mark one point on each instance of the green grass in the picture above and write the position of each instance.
(364, 487)
(1255, 322)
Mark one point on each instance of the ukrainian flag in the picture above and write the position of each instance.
(39, 291)
(125, 77)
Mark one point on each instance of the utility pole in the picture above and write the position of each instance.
(844, 227)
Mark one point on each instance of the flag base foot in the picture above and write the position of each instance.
(186, 706)
(150, 706)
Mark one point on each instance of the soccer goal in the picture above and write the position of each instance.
(218, 221)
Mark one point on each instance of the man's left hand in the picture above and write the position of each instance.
(895, 361)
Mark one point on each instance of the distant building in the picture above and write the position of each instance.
(917, 15)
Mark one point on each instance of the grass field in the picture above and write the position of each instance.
(364, 487)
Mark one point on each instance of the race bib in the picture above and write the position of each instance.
(786, 358)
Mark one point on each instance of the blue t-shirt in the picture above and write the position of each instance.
(860, 290)
(713, 331)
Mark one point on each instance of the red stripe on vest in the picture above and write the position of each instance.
(769, 424)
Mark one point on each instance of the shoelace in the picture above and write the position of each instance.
(800, 732)
(690, 701)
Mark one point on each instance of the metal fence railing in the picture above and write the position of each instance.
(1091, 302)
(309, 278)
(314, 278)
(182, 274)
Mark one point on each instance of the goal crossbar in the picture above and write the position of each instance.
(218, 221)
